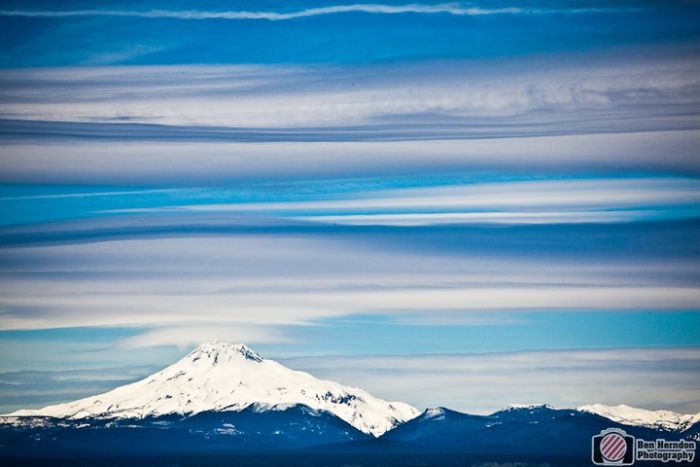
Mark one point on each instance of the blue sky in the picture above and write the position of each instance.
(42, 36)
(399, 184)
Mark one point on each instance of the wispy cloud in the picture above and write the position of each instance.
(516, 202)
(456, 9)
(90, 194)
(196, 333)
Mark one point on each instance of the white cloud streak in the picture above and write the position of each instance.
(194, 334)
(87, 194)
(550, 194)
(421, 219)
(539, 202)
(455, 9)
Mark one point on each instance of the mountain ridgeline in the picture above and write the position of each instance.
(224, 399)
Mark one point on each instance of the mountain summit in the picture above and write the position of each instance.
(224, 377)
(656, 419)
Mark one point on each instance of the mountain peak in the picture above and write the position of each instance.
(435, 413)
(657, 419)
(223, 377)
(214, 352)
(512, 407)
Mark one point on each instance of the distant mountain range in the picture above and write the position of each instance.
(224, 398)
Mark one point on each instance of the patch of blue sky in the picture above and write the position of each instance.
(474, 332)
(75, 348)
(351, 37)
(504, 332)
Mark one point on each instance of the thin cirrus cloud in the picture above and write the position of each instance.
(456, 9)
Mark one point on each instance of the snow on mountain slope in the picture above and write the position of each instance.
(526, 407)
(226, 377)
(657, 419)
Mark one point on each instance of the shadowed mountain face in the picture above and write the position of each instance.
(534, 431)
(437, 437)
(249, 430)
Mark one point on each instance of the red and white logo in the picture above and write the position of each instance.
(613, 447)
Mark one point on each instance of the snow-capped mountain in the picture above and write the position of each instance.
(526, 407)
(656, 419)
(224, 377)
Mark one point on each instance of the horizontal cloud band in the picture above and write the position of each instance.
(292, 279)
(603, 94)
